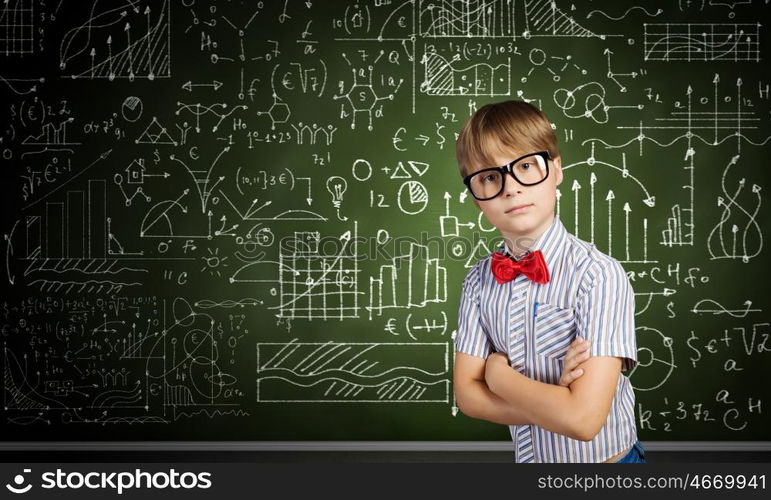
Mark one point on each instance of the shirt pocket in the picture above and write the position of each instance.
(555, 329)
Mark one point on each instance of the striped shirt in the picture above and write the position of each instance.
(588, 295)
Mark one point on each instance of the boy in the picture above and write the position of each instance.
(522, 306)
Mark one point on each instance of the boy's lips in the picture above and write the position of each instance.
(518, 209)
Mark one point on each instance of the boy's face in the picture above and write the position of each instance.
(520, 228)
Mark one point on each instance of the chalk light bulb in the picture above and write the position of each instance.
(336, 187)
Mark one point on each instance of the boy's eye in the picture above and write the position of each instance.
(491, 177)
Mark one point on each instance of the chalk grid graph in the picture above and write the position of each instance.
(17, 27)
(702, 42)
(313, 285)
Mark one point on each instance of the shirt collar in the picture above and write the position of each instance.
(550, 243)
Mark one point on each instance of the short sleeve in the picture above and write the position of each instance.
(605, 314)
(471, 337)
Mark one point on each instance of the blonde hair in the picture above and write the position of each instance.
(496, 127)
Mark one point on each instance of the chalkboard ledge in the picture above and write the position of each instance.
(378, 446)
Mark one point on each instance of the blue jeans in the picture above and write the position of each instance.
(635, 456)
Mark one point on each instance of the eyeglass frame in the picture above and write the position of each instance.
(508, 169)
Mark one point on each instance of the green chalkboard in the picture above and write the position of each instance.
(244, 220)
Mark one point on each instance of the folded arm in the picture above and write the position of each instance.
(475, 399)
(578, 411)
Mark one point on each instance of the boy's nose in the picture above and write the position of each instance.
(510, 184)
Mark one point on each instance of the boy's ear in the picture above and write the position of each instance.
(557, 162)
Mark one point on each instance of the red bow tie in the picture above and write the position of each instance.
(532, 265)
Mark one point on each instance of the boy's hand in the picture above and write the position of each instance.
(576, 355)
(494, 361)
